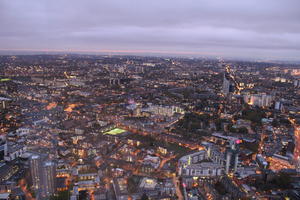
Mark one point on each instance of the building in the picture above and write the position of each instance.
(4, 196)
(138, 110)
(7, 171)
(4, 103)
(3, 149)
(163, 110)
(296, 83)
(49, 178)
(233, 189)
(154, 161)
(14, 151)
(35, 164)
(120, 188)
(261, 161)
(168, 188)
(205, 163)
(278, 105)
(205, 169)
(228, 85)
(100, 194)
(260, 100)
(43, 175)
(232, 156)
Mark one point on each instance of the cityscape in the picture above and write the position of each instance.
(130, 127)
(133, 100)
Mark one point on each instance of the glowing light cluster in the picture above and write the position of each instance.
(70, 107)
(297, 143)
(51, 106)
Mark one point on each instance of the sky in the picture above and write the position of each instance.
(256, 29)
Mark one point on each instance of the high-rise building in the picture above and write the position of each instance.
(277, 105)
(228, 84)
(261, 161)
(3, 149)
(36, 171)
(296, 83)
(261, 100)
(49, 178)
(228, 161)
(43, 175)
(4, 102)
(232, 157)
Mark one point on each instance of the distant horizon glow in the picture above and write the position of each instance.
(115, 51)
(135, 52)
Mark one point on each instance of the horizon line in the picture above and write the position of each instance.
(139, 51)
(116, 51)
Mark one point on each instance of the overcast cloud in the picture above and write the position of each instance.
(229, 28)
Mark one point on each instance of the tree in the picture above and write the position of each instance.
(275, 123)
(283, 180)
(251, 146)
(83, 195)
(243, 130)
(63, 195)
(254, 115)
(131, 185)
(144, 197)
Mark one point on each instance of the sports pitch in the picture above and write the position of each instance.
(115, 131)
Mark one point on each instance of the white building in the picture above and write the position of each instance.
(163, 110)
(205, 163)
(261, 100)
(23, 131)
(205, 169)
(14, 151)
(154, 161)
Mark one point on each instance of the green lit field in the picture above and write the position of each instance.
(115, 131)
(5, 79)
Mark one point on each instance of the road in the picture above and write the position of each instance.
(177, 186)
(164, 161)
